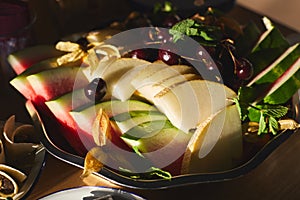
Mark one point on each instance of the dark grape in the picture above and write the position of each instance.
(148, 54)
(244, 69)
(138, 53)
(96, 89)
(167, 56)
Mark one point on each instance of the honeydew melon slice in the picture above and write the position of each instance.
(149, 91)
(113, 72)
(147, 72)
(216, 144)
(23, 59)
(190, 103)
(123, 90)
(160, 76)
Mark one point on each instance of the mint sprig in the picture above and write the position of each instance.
(265, 114)
(206, 34)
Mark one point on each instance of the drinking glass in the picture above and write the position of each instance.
(15, 34)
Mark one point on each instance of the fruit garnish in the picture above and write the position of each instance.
(101, 129)
(92, 163)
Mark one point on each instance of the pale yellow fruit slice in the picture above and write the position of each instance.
(159, 77)
(141, 78)
(113, 72)
(123, 90)
(149, 91)
(216, 143)
(192, 102)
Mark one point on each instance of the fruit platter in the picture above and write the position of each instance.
(156, 101)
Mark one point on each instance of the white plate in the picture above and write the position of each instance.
(92, 192)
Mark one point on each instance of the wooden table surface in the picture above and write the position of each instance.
(277, 177)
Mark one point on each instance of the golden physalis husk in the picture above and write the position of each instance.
(284, 124)
(101, 128)
(76, 53)
(92, 162)
(93, 54)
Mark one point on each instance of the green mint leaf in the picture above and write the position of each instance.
(205, 36)
(273, 125)
(152, 173)
(262, 124)
(275, 111)
(246, 95)
(254, 114)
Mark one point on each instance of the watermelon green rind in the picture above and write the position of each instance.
(62, 105)
(285, 86)
(23, 59)
(278, 67)
(85, 117)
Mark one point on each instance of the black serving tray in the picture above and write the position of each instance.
(58, 147)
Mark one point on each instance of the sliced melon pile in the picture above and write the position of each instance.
(166, 113)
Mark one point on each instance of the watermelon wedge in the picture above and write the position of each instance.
(23, 59)
(84, 117)
(49, 84)
(60, 108)
(21, 83)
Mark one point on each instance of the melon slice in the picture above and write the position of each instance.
(55, 82)
(161, 143)
(159, 77)
(126, 121)
(111, 73)
(216, 144)
(123, 90)
(147, 72)
(85, 117)
(149, 91)
(192, 102)
(21, 83)
(62, 105)
(23, 59)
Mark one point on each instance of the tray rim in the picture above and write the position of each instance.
(181, 180)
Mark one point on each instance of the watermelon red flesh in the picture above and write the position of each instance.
(57, 134)
(23, 86)
(60, 108)
(55, 82)
(23, 59)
